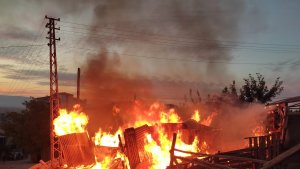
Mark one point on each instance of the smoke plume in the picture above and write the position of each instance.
(192, 30)
(105, 87)
(142, 39)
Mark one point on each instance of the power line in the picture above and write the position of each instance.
(178, 37)
(13, 83)
(22, 46)
(178, 43)
(184, 60)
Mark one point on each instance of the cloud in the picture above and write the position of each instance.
(295, 65)
(280, 66)
(16, 33)
(40, 76)
(5, 66)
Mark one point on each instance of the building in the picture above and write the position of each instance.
(66, 100)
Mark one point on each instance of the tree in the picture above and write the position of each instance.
(256, 90)
(30, 128)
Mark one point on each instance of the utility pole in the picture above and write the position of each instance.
(55, 151)
(78, 85)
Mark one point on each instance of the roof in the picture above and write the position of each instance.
(65, 93)
(287, 100)
(192, 124)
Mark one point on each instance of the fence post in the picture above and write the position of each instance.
(172, 150)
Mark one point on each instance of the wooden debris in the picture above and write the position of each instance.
(281, 157)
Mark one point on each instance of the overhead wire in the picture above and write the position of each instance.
(22, 46)
(176, 43)
(160, 41)
(180, 59)
(180, 37)
(25, 60)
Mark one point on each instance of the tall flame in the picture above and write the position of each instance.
(209, 119)
(70, 122)
(158, 151)
(196, 116)
(107, 139)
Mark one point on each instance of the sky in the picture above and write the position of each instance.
(178, 45)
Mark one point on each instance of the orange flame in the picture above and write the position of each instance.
(70, 122)
(107, 139)
(209, 119)
(158, 151)
(155, 115)
(156, 148)
(259, 130)
(196, 116)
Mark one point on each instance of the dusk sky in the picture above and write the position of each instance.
(195, 44)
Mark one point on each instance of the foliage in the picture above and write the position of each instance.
(255, 90)
(30, 128)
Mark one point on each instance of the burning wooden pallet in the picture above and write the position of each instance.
(77, 149)
(135, 139)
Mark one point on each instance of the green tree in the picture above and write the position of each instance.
(256, 89)
(253, 90)
(30, 128)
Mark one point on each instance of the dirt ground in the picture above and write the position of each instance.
(20, 164)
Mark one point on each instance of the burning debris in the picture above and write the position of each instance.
(146, 143)
(157, 137)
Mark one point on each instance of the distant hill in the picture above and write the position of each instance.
(12, 101)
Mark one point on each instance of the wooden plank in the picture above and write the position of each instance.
(131, 147)
(255, 155)
(274, 145)
(250, 142)
(277, 144)
(120, 143)
(269, 149)
(262, 147)
(224, 156)
(204, 163)
(172, 149)
(281, 157)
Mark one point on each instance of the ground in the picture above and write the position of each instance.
(20, 164)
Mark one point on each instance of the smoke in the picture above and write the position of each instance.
(135, 35)
(236, 123)
(193, 29)
(105, 86)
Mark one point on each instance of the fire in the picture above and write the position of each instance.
(170, 117)
(259, 130)
(70, 122)
(154, 115)
(107, 139)
(207, 122)
(157, 145)
(159, 151)
(196, 116)
(104, 164)
(209, 119)
(156, 153)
